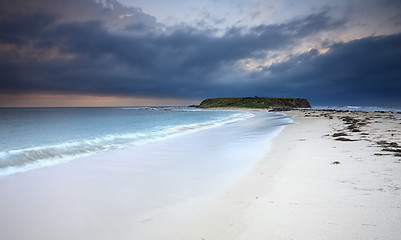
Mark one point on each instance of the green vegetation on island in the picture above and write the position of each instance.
(255, 102)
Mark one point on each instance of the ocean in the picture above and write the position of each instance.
(359, 108)
(120, 173)
(33, 138)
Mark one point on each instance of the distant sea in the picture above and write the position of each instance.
(359, 108)
(33, 138)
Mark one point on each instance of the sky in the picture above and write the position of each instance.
(154, 52)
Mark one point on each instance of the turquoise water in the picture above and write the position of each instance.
(146, 167)
(37, 137)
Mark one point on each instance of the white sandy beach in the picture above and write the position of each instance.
(295, 192)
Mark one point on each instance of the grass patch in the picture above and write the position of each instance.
(255, 102)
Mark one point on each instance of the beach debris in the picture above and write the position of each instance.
(339, 134)
(381, 154)
(391, 150)
(392, 147)
(344, 139)
(389, 146)
(354, 123)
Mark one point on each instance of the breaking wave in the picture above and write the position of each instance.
(22, 160)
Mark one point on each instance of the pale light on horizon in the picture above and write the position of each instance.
(80, 100)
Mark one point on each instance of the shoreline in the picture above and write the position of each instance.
(312, 186)
(41, 151)
(331, 175)
(128, 193)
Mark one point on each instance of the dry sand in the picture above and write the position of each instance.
(312, 186)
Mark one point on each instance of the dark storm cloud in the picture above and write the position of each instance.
(113, 14)
(107, 62)
(364, 71)
(39, 52)
(22, 28)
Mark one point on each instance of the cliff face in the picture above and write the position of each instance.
(255, 102)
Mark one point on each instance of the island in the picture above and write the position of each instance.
(256, 102)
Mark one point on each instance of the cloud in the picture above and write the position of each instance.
(364, 71)
(44, 52)
(114, 15)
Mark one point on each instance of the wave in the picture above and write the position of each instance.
(144, 108)
(174, 109)
(22, 160)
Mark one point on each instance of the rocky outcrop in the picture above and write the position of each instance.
(255, 102)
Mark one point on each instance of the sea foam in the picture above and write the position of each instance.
(28, 158)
